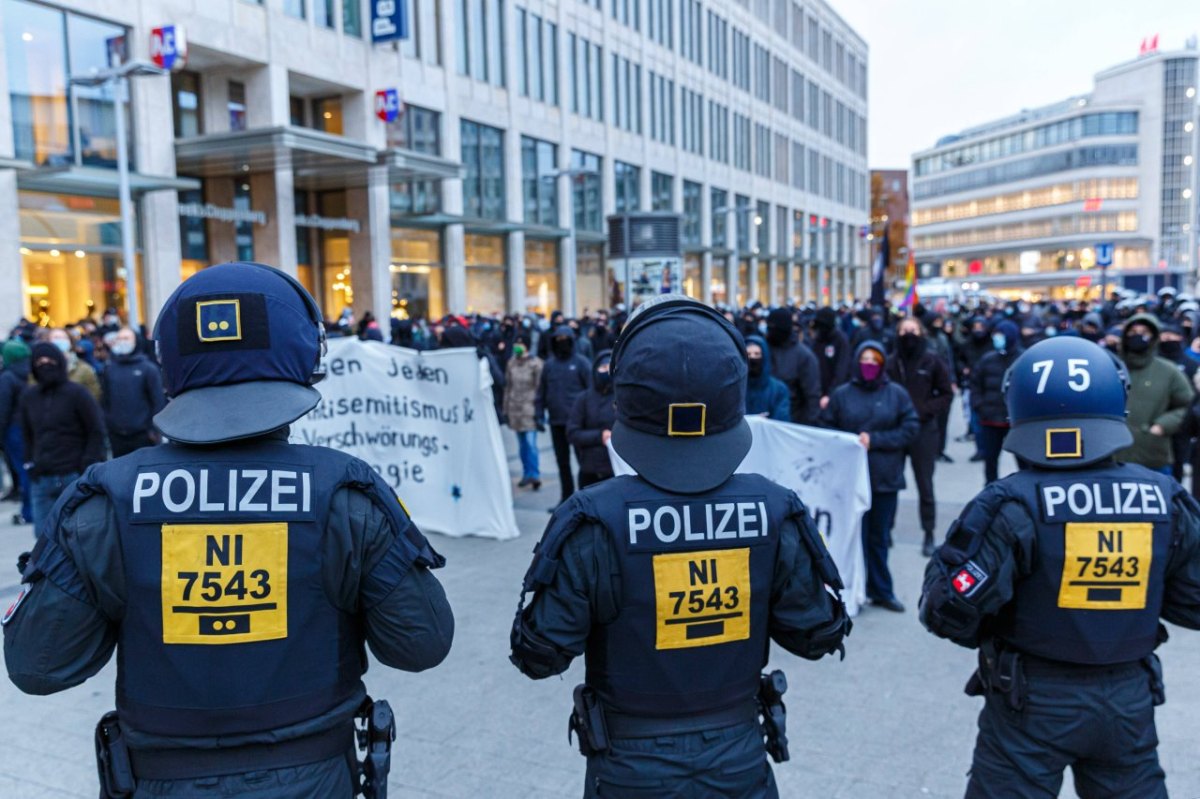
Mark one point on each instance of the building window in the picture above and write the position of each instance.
(586, 77)
(741, 60)
(539, 181)
(483, 183)
(718, 123)
(537, 46)
(627, 94)
(185, 94)
(627, 12)
(324, 13)
(294, 8)
(690, 230)
(193, 236)
(352, 18)
(419, 130)
(481, 40)
(658, 22)
(541, 276)
(296, 111)
(418, 289)
(486, 289)
(744, 221)
(762, 227)
(627, 180)
(720, 217)
(243, 232)
(586, 188)
(662, 190)
(662, 109)
(718, 52)
(741, 141)
(237, 105)
(327, 114)
(690, 30)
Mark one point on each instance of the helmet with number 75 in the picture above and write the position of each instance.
(1066, 404)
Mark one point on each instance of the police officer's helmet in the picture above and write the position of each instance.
(1066, 403)
(241, 345)
(679, 380)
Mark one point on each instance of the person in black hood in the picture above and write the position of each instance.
(591, 422)
(987, 395)
(795, 366)
(875, 329)
(766, 395)
(565, 376)
(131, 393)
(13, 381)
(832, 350)
(61, 427)
(456, 336)
(882, 415)
(925, 376)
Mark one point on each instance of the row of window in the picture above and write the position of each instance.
(1079, 158)
(1108, 123)
(1094, 190)
(1069, 225)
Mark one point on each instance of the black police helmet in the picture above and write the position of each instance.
(679, 379)
(240, 346)
(1066, 403)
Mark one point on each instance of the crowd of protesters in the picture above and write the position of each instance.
(71, 396)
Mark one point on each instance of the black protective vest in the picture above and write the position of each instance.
(1103, 538)
(696, 574)
(227, 626)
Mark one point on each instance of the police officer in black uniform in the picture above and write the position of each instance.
(237, 576)
(672, 583)
(1059, 575)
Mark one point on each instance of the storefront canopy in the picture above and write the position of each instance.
(90, 180)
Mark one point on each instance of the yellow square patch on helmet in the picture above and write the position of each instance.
(686, 418)
(219, 320)
(1064, 442)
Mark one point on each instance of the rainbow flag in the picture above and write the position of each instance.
(910, 278)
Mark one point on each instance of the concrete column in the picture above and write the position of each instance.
(822, 299)
(774, 280)
(568, 264)
(274, 192)
(12, 274)
(370, 247)
(731, 263)
(267, 96)
(789, 281)
(454, 243)
(752, 290)
(160, 250)
(706, 265)
(221, 245)
(514, 258)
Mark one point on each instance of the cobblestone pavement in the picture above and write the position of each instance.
(889, 721)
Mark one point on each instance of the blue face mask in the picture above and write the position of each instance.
(999, 341)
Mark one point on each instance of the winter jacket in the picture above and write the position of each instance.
(132, 394)
(13, 381)
(987, 378)
(766, 394)
(1159, 394)
(925, 378)
(563, 379)
(594, 412)
(883, 410)
(521, 381)
(81, 372)
(832, 351)
(60, 422)
(796, 367)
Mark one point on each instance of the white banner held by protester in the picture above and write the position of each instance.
(828, 470)
(424, 421)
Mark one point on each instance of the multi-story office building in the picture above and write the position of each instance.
(1019, 205)
(521, 125)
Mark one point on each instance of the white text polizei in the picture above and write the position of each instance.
(1104, 499)
(717, 521)
(232, 491)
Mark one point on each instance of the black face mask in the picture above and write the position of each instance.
(979, 335)
(1171, 350)
(562, 347)
(1091, 335)
(909, 344)
(755, 367)
(777, 336)
(603, 381)
(1136, 344)
(48, 374)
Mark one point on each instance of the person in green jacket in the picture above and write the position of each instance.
(1159, 396)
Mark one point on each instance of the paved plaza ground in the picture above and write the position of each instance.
(889, 721)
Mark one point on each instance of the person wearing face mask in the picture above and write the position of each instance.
(1158, 399)
(882, 415)
(132, 394)
(565, 376)
(925, 377)
(62, 429)
(522, 376)
(78, 370)
(795, 366)
(765, 395)
(13, 381)
(832, 349)
(590, 424)
(987, 395)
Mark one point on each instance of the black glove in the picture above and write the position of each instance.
(541, 427)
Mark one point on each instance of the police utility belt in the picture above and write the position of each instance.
(120, 767)
(596, 726)
(1005, 672)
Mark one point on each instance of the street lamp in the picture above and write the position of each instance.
(570, 267)
(117, 79)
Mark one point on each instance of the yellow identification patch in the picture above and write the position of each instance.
(224, 583)
(1107, 565)
(703, 598)
(219, 320)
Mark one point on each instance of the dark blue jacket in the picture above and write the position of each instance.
(563, 379)
(881, 409)
(132, 392)
(13, 380)
(765, 394)
(592, 414)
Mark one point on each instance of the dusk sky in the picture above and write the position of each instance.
(938, 66)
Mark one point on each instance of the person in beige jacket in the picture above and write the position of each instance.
(521, 379)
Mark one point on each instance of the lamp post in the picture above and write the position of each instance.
(569, 270)
(117, 79)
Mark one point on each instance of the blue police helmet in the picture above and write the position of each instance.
(679, 381)
(1066, 403)
(240, 346)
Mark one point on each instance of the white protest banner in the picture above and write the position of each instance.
(828, 470)
(424, 421)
